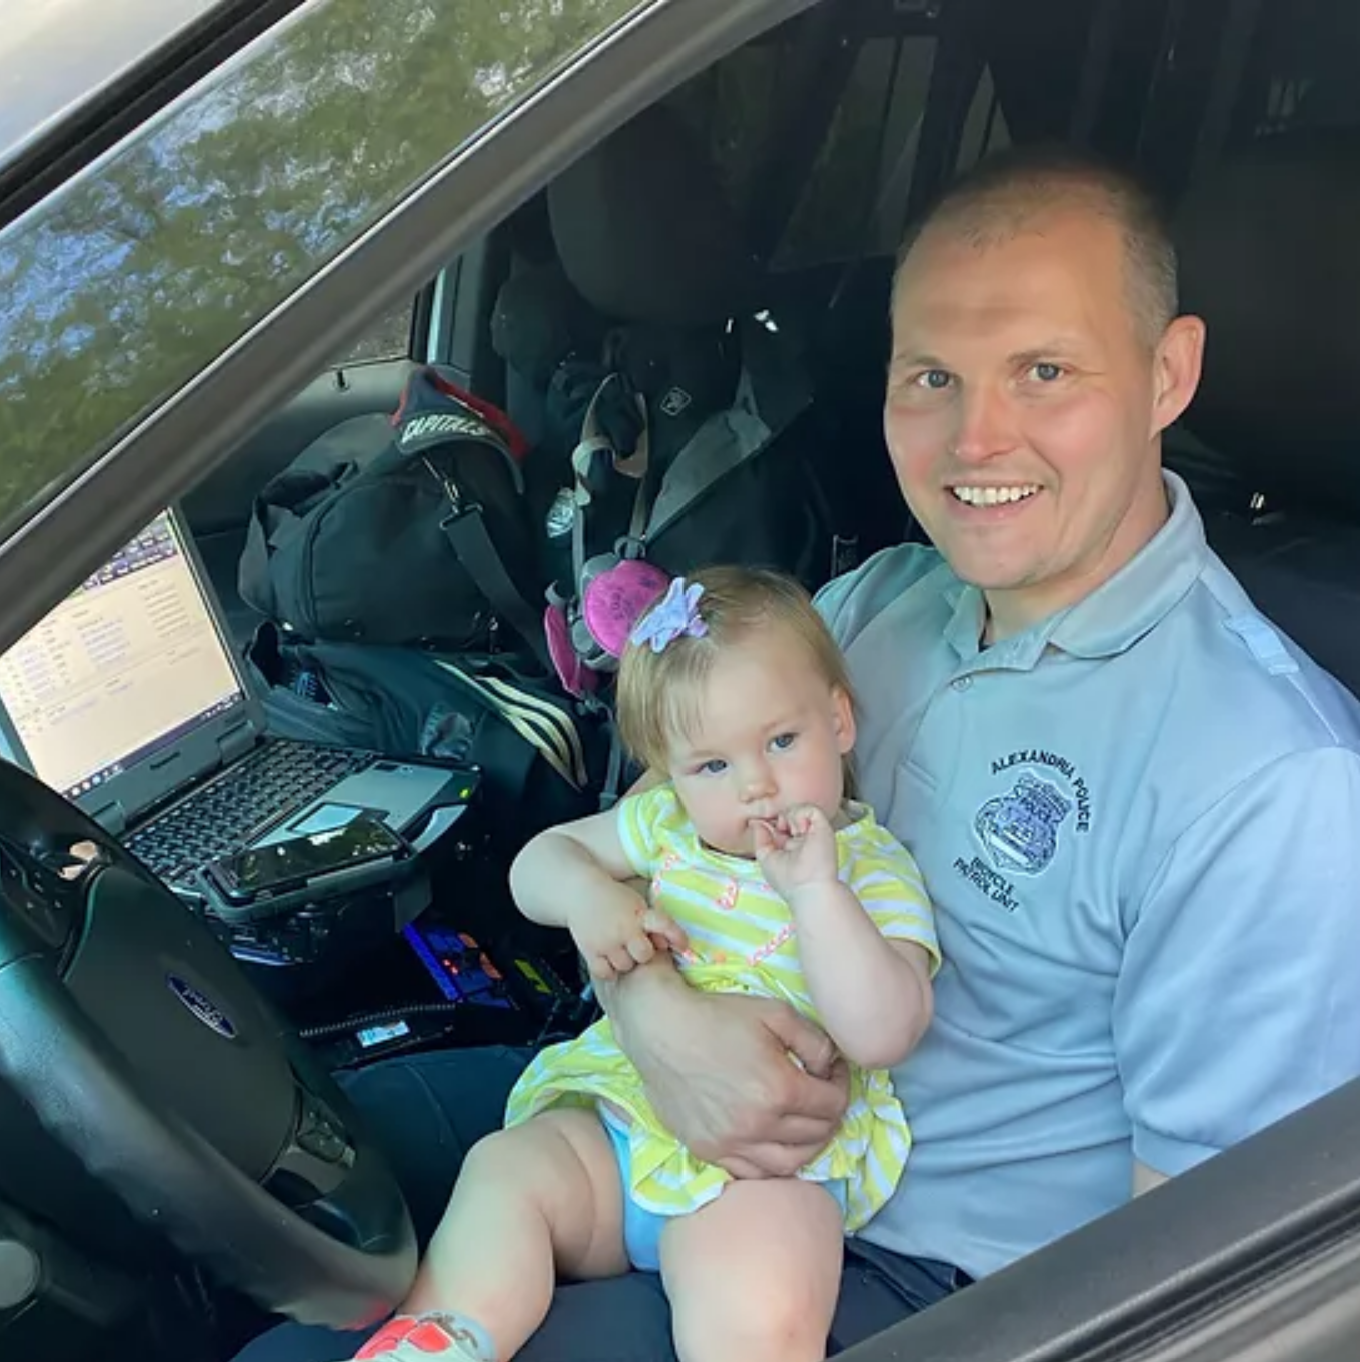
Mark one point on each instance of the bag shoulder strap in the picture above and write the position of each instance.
(465, 529)
(435, 416)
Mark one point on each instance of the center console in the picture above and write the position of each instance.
(434, 960)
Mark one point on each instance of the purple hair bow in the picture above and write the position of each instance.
(676, 615)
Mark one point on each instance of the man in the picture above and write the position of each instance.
(1133, 800)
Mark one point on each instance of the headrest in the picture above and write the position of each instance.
(539, 320)
(645, 232)
(1270, 260)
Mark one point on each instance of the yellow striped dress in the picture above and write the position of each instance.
(742, 940)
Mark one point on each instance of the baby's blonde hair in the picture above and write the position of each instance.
(659, 694)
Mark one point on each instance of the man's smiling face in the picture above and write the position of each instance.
(1024, 407)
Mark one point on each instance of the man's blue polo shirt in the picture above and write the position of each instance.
(1140, 824)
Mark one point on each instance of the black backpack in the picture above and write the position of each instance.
(408, 530)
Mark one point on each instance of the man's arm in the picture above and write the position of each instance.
(664, 976)
(1236, 1002)
(718, 1072)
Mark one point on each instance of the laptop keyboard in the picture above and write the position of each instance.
(221, 817)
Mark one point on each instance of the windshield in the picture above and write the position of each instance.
(56, 54)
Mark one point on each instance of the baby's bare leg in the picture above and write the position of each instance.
(754, 1275)
(539, 1200)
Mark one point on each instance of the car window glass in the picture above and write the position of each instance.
(124, 284)
(389, 337)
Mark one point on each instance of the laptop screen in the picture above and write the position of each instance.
(123, 667)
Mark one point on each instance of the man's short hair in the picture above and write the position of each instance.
(1008, 193)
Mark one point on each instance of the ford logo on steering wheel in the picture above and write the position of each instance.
(202, 1007)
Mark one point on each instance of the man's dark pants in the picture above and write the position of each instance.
(428, 1111)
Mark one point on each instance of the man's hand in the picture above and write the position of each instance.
(745, 1083)
(615, 930)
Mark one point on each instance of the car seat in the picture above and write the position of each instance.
(646, 240)
(1269, 259)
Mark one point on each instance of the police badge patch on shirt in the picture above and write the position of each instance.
(1020, 829)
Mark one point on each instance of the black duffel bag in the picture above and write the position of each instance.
(542, 756)
(408, 530)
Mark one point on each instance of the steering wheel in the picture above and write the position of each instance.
(131, 1033)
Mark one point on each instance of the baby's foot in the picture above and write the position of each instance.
(423, 1338)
